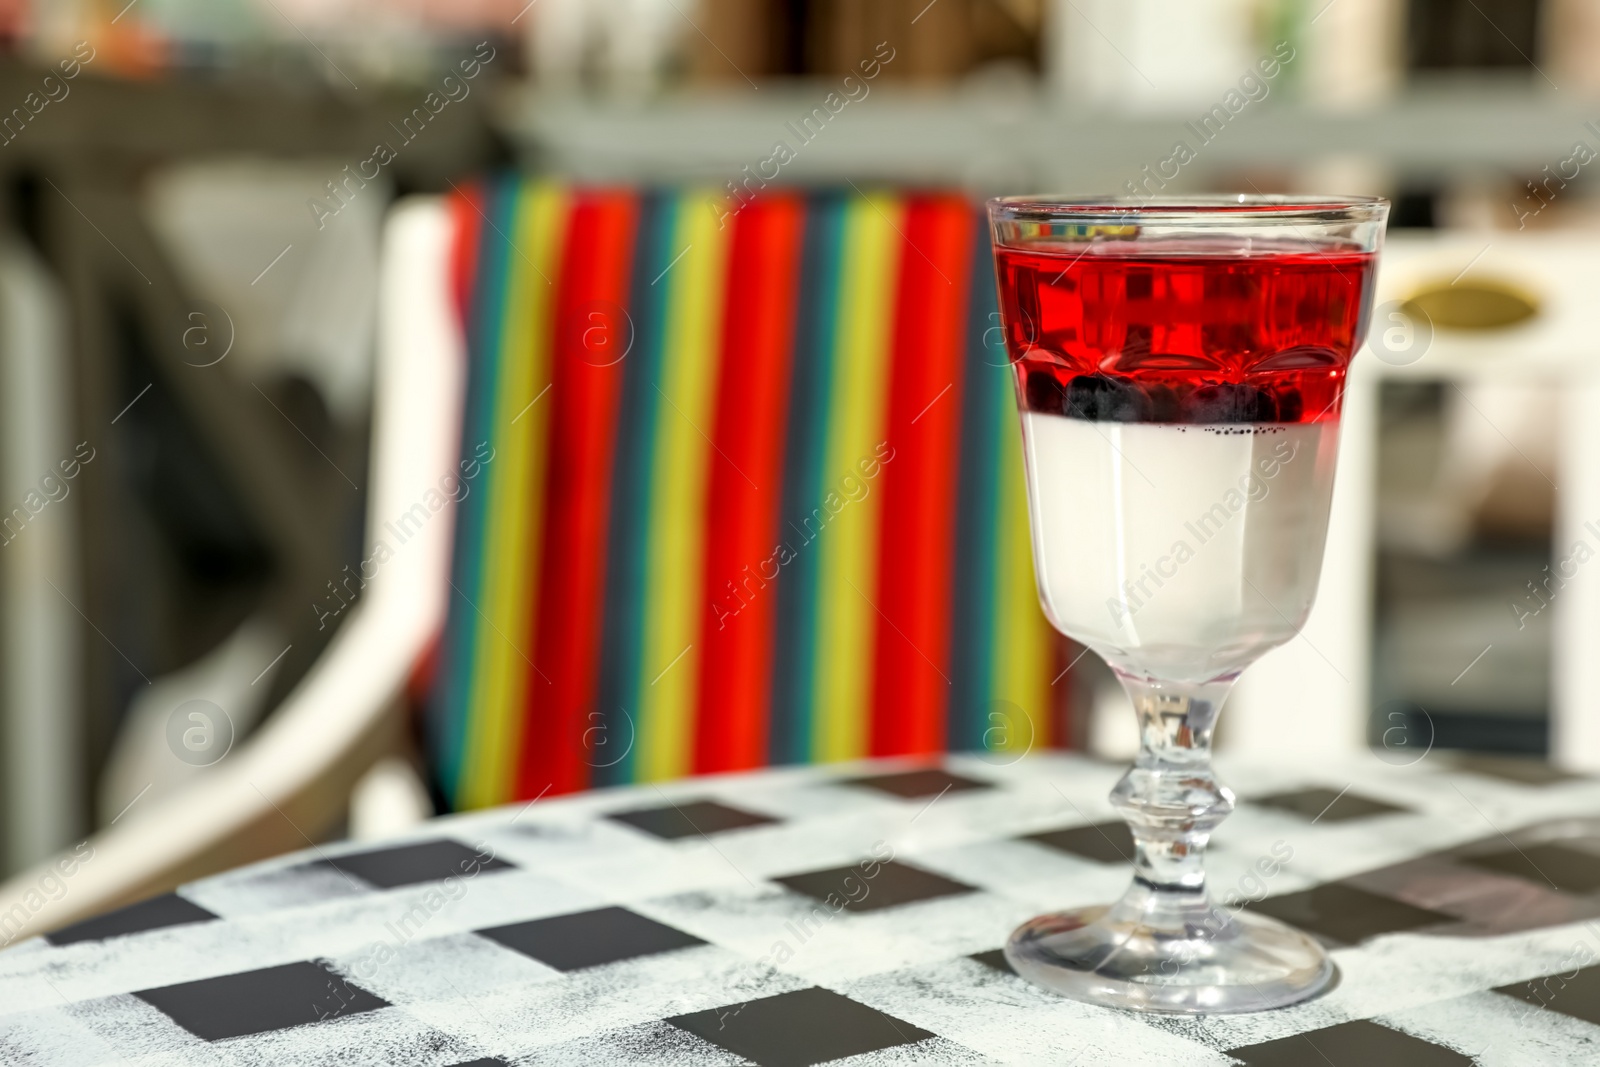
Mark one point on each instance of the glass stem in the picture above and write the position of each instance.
(1170, 799)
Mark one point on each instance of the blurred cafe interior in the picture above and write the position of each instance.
(207, 424)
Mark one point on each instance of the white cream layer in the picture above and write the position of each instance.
(1181, 552)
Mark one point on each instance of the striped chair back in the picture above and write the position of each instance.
(743, 485)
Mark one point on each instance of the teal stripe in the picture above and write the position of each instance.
(793, 672)
(622, 655)
(483, 379)
(988, 380)
(513, 194)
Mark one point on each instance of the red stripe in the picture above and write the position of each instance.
(467, 221)
(745, 494)
(591, 331)
(1058, 722)
(918, 487)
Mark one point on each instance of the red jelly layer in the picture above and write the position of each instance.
(1133, 335)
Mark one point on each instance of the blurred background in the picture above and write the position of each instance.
(184, 193)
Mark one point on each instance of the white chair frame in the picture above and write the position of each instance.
(290, 781)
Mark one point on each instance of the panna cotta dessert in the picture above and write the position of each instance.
(1180, 424)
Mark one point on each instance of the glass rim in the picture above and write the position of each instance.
(1202, 208)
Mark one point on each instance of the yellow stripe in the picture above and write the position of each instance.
(514, 523)
(680, 470)
(847, 579)
(1021, 633)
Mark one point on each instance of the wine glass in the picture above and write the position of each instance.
(1179, 367)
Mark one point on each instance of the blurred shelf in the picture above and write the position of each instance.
(1025, 138)
(103, 119)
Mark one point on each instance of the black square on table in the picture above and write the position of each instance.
(254, 1002)
(894, 883)
(1578, 996)
(690, 820)
(427, 861)
(1551, 863)
(169, 909)
(1352, 1044)
(995, 958)
(928, 782)
(799, 1029)
(1106, 842)
(1346, 914)
(1326, 805)
(590, 938)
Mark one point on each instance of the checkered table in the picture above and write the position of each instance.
(847, 913)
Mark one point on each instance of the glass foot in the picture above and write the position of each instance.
(1123, 956)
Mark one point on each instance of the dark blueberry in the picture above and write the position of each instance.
(1228, 402)
(1266, 406)
(1045, 393)
(1106, 399)
(1289, 406)
(1163, 403)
